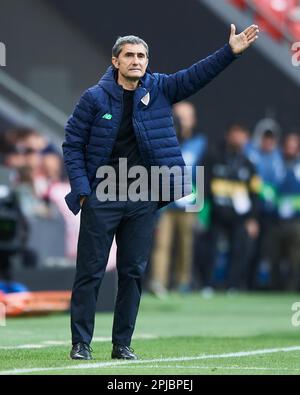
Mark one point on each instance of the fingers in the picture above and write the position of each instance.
(252, 35)
(251, 30)
(233, 29)
(252, 40)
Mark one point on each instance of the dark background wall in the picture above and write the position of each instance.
(179, 33)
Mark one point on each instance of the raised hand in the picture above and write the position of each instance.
(240, 42)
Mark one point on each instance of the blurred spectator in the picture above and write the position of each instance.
(57, 188)
(285, 241)
(13, 229)
(22, 149)
(174, 221)
(263, 151)
(38, 165)
(231, 187)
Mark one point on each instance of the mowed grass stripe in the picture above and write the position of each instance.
(51, 343)
(181, 326)
(147, 361)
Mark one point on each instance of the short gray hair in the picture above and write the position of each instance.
(121, 41)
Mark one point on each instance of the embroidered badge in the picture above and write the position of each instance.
(145, 100)
(107, 116)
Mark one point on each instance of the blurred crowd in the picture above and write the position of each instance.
(246, 237)
(33, 174)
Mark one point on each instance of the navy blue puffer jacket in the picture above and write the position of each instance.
(90, 137)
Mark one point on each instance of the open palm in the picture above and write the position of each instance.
(240, 42)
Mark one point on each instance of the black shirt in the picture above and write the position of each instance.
(126, 145)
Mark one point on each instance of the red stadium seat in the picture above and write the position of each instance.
(294, 23)
(272, 15)
(294, 29)
(239, 3)
(268, 27)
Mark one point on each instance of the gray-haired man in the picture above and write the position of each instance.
(128, 114)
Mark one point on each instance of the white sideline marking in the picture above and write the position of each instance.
(50, 343)
(145, 361)
(209, 367)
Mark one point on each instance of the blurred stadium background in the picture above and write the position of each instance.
(244, 128)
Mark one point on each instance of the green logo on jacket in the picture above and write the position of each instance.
(107, 116)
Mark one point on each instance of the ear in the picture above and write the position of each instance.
(115, 62)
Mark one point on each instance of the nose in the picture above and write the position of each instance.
(135, 59)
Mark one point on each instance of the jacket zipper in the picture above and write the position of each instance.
(138, 137)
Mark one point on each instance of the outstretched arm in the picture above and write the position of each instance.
(184, 83)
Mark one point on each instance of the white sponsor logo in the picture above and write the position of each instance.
(296, 316)
(296, 56)
(2, 55)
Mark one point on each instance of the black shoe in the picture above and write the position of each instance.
(81, 351)
(122, 352)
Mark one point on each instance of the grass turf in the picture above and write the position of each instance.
(180, 326)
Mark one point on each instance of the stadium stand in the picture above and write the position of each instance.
(280, 19)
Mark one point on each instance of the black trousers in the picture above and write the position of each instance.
(240, 252)
(284, 252)
(133, 225)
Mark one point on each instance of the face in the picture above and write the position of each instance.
(15, 160)
(268, 144)
(52, 166)
(35, 142)
(291, 147)
(237, 138)
(185, 112)
(132, 61)
(32, 146)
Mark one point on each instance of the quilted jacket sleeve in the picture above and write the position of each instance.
(184, 83)
(76, 138)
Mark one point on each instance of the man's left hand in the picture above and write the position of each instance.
(240, 42)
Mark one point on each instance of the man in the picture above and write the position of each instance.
(231, 188)
(263, 151)
(127, 115)
(174, 219)
(284, 244)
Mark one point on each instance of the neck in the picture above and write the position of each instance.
(130, 85)
(234, 149)
(186, 133)
(290, 158)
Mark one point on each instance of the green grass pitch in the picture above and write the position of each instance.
(239, 334)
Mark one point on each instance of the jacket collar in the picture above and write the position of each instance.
(109, 84)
